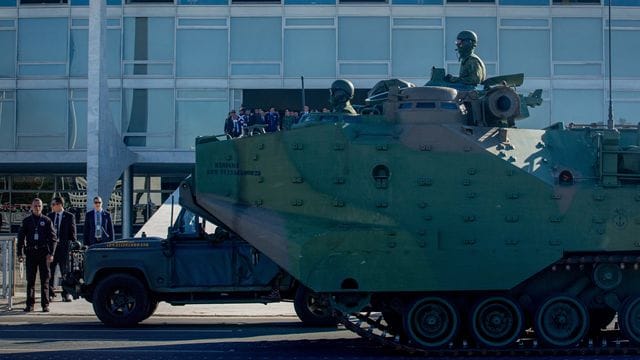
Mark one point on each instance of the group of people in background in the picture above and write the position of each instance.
(45, 242)
(247, 121)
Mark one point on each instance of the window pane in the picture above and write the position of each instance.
(255, 69)
(7, 2)
(363, 38)
(39, 107)
(198, 118)
(256, 39)
(309, 2)
(623, 2)
(364, 69)
(626, 112)
(149, 114)
(419, 2)
(415, 51)
(318, 63)
(524, 2)
(42, 39)
(42, 69)
(211, 47)
(309, 22)
(148, 38)
(578, 106)
(577, 69)
(77, 124)
(532, 60)
(8, 53)
(623, 56)
(567, 2)
(148, 1)
(203, 2)
(43, 2)
(113, 52)
(7, 127)
(569, 35)
(148, 69)
(78, 52)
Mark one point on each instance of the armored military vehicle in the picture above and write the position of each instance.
(196, 263)
(434, 223)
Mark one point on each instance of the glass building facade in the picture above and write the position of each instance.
(177, 67)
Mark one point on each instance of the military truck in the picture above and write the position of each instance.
(196, 263)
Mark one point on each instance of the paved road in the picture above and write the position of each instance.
(228, 332)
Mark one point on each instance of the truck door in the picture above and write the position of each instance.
(197, 260)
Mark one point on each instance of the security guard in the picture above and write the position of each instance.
(37, 242)
(472, 69)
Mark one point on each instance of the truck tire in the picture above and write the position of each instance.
(121, 300)
(313, 309)
(153, 305)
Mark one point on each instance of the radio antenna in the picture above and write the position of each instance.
(610, 119)
(304, 101)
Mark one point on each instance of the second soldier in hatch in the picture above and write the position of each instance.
(472, 69)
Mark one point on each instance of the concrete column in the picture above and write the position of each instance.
(127, 201)
(107, 156)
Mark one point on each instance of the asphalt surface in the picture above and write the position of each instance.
(229, 332)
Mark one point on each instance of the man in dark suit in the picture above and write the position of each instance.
(37, 243)
(98, 226)
(65, 225)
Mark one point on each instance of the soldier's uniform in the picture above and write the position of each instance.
(37, 240)
(472, 69)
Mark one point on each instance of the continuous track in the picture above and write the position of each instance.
(373, 327)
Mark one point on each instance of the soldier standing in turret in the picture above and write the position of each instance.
(342, 92)
(472, 69)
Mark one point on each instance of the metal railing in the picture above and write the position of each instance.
(7, 264)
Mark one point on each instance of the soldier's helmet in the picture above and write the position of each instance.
(342, 90)
(466, 41)
(467, 35)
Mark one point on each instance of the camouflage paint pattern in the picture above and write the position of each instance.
(419, 205)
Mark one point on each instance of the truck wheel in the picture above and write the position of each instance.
(120, 300)
(153, 305)
(313, 309)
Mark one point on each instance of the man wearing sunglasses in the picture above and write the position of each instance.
(98, 226)
(37, 244)
(65, 225)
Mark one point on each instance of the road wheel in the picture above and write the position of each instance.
(561, 321)
(497, 322)
(121, 300)
(312, 308)
(431, 322)
(629, 319)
